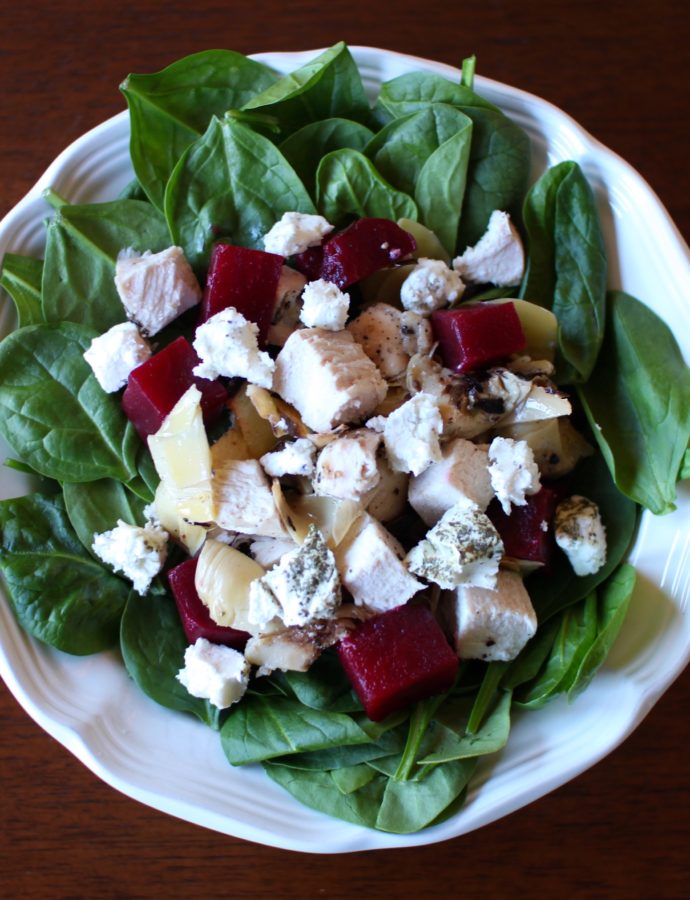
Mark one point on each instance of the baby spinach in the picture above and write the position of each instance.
(82, 245)
(170, 109)
(153, 643)
(348, 186)
(96, 507)
(566, 265)
(450, 739)
(55, 414)
(21, 278)
(638, 403)
(59, 593)
(231, 183)
(416, 90)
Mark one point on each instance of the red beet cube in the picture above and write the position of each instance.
(196, 621)
(154, 387)
(397, 658)
(527, 533)
(360, 250)
(243, 278)
(474, 336)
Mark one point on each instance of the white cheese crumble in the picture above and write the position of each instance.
(295, 232)
(139, 553)
(497, 258)
(324, 305)
(294, 458)
(462, 548)
(514, 473)
(429, 286)
(347, 468)
(411, 434)
(215, 673)
(155, 288)
(581, 535)
(302, 588)
(114, 354)
(227, 344)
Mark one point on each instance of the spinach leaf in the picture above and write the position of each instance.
(96, 507)
(54, 413)
(59, 593)
(684, 471)
(348, 186)
(262, 728)
(391, 742)
(450, 739)
(614, 599)
(133, 191)
(561, 587)
(566, 266)
(352, 778)
(416, 90)
(305, 148)
(324, 686)
(533, 655)
(145, 482)
(21, 278)
(485, 695)
(231, 183)
(638, 403)
(329, 85)
(82, 246)
(153, 643)
(170, 109)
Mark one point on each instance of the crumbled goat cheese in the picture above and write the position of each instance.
(228, 345)
(324, 305)
(243, 501)
(288, 302)
(498, 256)
(215, 673)
(113, 355)
(462, 548)
(514, 473)
(581, 535)
(390, 337)
(491, 624)
(411, 434)
(429, 286)
(295, 232)
(155, 288)
(302, 588)
(461, 473)
(139, 553)
(294, 458)
(370, 563)
(329, 379)
(347, 468)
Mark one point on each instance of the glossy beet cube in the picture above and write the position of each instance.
(360, 250)
(527, 533)
(196, 621)
(154, 387)
(245, 279)
(396, 659)
(476, 335)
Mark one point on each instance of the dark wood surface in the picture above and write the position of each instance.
(620, 830)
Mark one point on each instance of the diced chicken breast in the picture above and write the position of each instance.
(327, 376)
(156, 288)
(388, 499)
(369, 560)
(347, 468)
(243, 501)
(497, 258)
(269, 551)
(390, 337)
(288, 302)
(491, 624)
(294, 649)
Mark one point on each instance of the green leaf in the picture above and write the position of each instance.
(96, 507)
(54, 413)
(566, 265)
(348, 186)
(170, 109)
(638, 403)
(485, 695)
(232, 183)
(328, 85)
(352, 778)
(416, 90)
(59, 593)
(451, 741)
(82, 246)
(323, 686)
(21, 278)
(391, 742)
(533, 655)
(684, 471)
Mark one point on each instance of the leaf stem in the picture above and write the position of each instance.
(52, 197)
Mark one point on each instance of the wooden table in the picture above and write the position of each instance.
(620, 830)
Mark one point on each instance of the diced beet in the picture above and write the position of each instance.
(360, 250)
(154, 387)
(476, 335)
(527, 533)
(196, 621)
(397, 658)
(245, 279)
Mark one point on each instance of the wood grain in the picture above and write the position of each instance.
(620, 830)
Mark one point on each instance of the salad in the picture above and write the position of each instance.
(349, 422)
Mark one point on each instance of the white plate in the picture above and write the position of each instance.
(143, 750)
